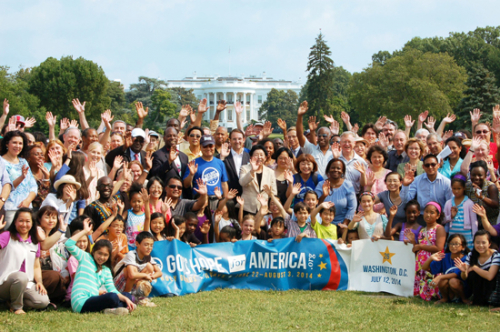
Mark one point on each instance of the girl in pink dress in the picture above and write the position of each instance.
(431, 239)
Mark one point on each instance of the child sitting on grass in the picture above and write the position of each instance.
(94, 271)
(325, 230)
(446, 275)
(136, 271)
(84, 244)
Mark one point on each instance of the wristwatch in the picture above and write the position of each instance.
(2, 199)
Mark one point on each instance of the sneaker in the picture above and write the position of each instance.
(146, 302)
(116, 311)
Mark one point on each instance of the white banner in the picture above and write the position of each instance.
(382, 266)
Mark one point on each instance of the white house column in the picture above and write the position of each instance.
(223, 113)
(251, 106)
(208, 104)
(244, 107)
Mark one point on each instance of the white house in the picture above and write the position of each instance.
(252, 90)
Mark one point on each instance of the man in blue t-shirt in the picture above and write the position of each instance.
(208, 169)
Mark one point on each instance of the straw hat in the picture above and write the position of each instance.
(67, 179)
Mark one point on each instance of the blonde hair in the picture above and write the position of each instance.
(95, 146)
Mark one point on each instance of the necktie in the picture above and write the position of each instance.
(136, 156)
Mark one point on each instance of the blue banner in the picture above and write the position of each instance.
(284, 264)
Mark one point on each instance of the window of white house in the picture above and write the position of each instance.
(229, 115)
(259, 99)
(248, 115)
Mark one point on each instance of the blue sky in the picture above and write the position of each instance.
(171, 39)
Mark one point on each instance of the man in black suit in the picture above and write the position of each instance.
(131, 150)
(168, 162)
(236, 158)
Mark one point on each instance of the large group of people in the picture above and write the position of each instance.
(82, 209)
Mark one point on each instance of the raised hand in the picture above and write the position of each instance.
(51, 120)
(141, 112)
(408, 178)
(225, 151)
(359, 167)
(262, 200)
(74, 123)
(202, 106)
(355, 128)
(79, 107)
(475, 115)
(326, 188)
(313, 125)
(118, 162)
(328, 118)
(449, 118)
(54, 159)
(185, 111)
(217, 193)
(370, 179)
(431, 122)
(12, 124)
(447, 134)
(345, 117)
(217, 217)
(393, 210)
(238, 109)
(221, 105)
(249, 130)
(383, 141)
(423, 116)
(6, 107)
(240, 200)
(479, 210)
(303, 108)
(462, 266)
(336, 151)
(255, 165)
(44, 169)
(107, 118)
(380, 123)
(166, 204)
(24, 171)
(496, 110)
(335, 127)
(476, 142)
(149, 160)
(202, 187)
(289, 176)
(172, 154)
(93, 168)
(232, 193)
(145, 195)
(358, 216)
(289, 164)
(282, 125)
(70, 192)
(64, 124)
(296, 189)
(496, 125)
(193, 167)
(267, 130)
(192, 115)
(438, 256)
(409, 235)
(205, 228)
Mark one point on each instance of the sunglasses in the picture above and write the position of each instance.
(173, 186)
(430, 165)
(482, 132)
(195, 136)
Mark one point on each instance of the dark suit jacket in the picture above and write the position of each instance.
(232, 175)
(110, 157)
(164, 170)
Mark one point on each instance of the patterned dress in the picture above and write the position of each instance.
(423, 279)
(133, 226)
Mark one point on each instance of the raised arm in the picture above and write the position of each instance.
(239, 115)
(202, 108)
(299, 124)
(294, 192)
(446, 120)
(6, 108)
(52, 239)
(141, 114)
(104, 226)
(313, 126)
(80, 108)
(421, 119)
(51, 120)
(106, 120)
(315, 211)
(408, 124)
(464, 168)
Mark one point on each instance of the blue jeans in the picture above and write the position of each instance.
(105, 301)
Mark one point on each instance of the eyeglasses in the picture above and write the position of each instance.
(195, 136)
(482, 132)
(455, 244)
(173, 186)
(430, 165)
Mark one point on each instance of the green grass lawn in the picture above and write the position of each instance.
(243, 310)
(276, 135)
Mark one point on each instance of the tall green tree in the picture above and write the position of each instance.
(319, 79)
(481, 93)
(280, 104)
(162, 108)
(57, 82)
(408, 84)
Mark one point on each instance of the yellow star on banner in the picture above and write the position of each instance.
(320, 255)
(386, 255)
(322, 266)
(319, 275)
